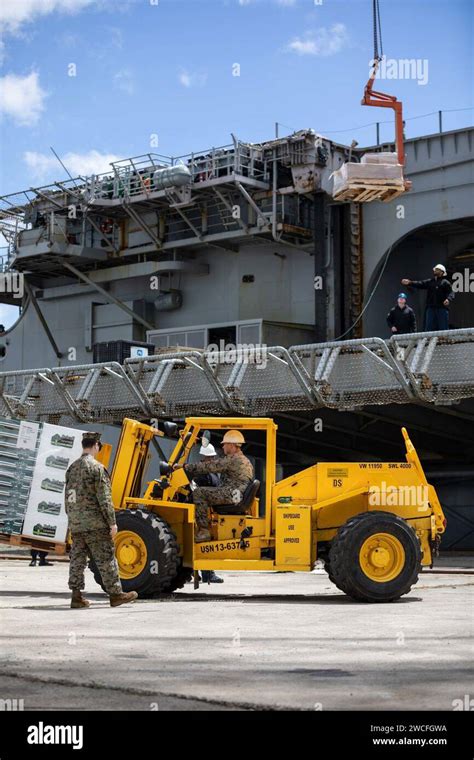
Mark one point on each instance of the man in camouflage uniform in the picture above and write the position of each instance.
(92, 524)
(236, 473)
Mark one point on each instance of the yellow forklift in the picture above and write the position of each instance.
(373, 524)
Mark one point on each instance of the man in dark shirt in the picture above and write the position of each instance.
(401, 318)
(439, 296)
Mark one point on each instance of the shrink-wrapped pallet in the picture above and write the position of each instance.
(369, 179)
(379, 158)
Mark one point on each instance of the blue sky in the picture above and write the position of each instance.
(166, 69)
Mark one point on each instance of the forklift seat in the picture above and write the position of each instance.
(239, 509)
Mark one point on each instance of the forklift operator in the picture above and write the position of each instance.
(236, 472)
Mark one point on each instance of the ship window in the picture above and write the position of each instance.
(227, 334)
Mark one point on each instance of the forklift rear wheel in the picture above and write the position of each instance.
(375, 557)
(147, 554)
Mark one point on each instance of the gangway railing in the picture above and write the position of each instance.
(428, 368)
(353, 373)
(176, 384)
(86, 393)
(438, 365)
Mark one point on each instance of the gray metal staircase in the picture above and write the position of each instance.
(430, 368)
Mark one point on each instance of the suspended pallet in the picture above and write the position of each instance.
(359, 191)
(378, 177)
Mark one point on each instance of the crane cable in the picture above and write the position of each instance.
(367, 303)
(377, 27)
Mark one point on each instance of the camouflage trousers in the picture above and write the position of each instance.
(206, 497)
(98, 545)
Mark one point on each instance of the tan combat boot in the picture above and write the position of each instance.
(117, 599)
(78, 601)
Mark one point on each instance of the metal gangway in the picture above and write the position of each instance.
(435, 368)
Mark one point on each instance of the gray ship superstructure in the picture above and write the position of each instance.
(213, 247)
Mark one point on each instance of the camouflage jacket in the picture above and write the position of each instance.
(236, 471)
(88, 498)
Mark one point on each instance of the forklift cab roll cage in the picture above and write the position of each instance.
(132, 458)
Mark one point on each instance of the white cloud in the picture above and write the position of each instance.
(185, 79)
(192, 79)
(15, 13)
(322, 42)
(44, 166)
(22, 98)
(123, 80)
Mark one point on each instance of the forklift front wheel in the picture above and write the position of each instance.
(147, 554)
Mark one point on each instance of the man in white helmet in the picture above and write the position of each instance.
(211, 480)
(235, 471)
(206, 453)
(438, 298)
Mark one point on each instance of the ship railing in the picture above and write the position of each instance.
(15, 204)
(134, 176)
(225, 162)
(10, 228)
(6, 256)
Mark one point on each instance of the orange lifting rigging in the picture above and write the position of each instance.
(381, 99)
(378, 176)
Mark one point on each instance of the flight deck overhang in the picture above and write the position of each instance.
(46, 255)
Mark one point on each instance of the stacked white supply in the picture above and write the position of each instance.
(45, 515)
(18, 441)
(378, 176)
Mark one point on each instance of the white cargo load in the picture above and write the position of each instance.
(379, 158)
(371, 179)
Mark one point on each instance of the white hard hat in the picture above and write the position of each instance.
(208, 451)
(441, 267)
